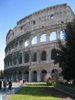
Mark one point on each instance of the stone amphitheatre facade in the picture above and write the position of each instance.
(27, 54)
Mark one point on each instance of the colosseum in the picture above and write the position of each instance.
(30, 46)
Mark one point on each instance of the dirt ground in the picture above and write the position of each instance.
(56, 93)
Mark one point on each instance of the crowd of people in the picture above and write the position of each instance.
(5, 84)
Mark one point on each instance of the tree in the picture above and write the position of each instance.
(66, 53)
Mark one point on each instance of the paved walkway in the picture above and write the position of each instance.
(7, 94)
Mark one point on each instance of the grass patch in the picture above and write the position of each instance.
(38, 85)
(35, 93)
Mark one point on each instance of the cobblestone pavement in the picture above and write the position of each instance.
(7, 93)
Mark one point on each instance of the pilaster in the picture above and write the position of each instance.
(58, 34)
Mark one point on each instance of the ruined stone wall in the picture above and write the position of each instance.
(20, 46)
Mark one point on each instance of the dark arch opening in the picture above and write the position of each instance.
(14, 76)
(26, 75)
(34, 76)
(34, 72)
(14, 60)
(26, 72)
(20, 58)
(43, 74)
(54, 70)
(26, 58)
(35, 56)
(53, 54)
(20, 75)
(44, 71)
(43, 56)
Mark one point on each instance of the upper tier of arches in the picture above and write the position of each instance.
(34, 40)
(55, 15)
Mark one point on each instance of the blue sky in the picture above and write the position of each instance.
(12, 11)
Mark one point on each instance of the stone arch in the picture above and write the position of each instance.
(10, 61)
(26, 42)
(43, 56)
(62, 33)
(43, 38)
(55, 74)
(26, 57)
(26, 75)
(14, 76)
(34, 40)
(43, 74)
(14, 60)
(12, 47)
(52, 16)
(20, 75)
(21, 43)
(16, 45)
(53, 36)
(34, 76)
(34, 58)
(53, 54)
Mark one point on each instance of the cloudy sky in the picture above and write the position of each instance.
(12, 11)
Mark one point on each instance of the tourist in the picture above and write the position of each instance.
(10, 84)
(4, 84)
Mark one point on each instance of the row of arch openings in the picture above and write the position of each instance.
(34, 57)
(34, 40)
(33, 75)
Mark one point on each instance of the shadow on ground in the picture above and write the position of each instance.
(44, 91)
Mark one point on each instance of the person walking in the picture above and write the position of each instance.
(4, 84)
(0, 84)
(10, 84)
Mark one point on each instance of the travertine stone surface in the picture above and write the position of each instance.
(45, 21)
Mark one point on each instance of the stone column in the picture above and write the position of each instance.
(48, 55)
(38, 56)
(30, 57)
(38, 38)
(58, 34)
(30, 41)
(18, 45)
(17, 59)
(38, 77)
(22, 58)
(29, 75)
(47, 36)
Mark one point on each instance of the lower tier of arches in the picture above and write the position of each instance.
(29, 74)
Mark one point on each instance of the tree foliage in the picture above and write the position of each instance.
(66, 53)
(1, 74)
